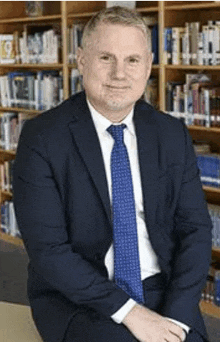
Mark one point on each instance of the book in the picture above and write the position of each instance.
(177, 34)
(7, 49)
(151, 92)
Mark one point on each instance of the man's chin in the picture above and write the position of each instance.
(116, 105)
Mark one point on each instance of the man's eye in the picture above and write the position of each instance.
(105, 58)
(133, 60)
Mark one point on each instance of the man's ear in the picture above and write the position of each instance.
(80, 59)
(149, 64)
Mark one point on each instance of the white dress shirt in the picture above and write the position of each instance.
(148, 260)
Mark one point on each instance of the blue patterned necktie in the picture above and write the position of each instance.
(126, 255)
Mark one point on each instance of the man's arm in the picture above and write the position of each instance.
(193, 232)
(190, 263)
(41, 219)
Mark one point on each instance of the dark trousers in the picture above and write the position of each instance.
(88, 326)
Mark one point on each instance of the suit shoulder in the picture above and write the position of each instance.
(163, 120)
(55, 119)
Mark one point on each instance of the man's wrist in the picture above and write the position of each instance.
(119, 315)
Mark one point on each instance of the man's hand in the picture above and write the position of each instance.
(148, 326)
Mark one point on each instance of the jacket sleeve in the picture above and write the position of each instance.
(193, 253)
(41, 219)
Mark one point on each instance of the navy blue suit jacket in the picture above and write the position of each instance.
(63, 212)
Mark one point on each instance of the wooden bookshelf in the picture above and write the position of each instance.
(210, 309)
(32, 66)
(11, 239)
(23, 110)
(45, 18)
(169, 13)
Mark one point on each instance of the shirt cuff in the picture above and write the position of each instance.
(181, 325)
(119, 315)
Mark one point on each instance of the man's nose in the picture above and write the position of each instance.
(118, 70)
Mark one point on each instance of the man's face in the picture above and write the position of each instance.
(115, 65)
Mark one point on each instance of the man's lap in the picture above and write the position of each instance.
(88, 326)
(84, 328)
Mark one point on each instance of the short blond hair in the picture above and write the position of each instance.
(116, 15)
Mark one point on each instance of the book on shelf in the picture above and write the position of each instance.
(151, 92)
(76, 81)
(211, 291)
(10, 128)
(33, 45)
(193, 44)
(214, 211)
(7, 49)
(176, 47)
(128, 4)
(196, 101)
(74, 40)
(8, 220)
(209, 166)
(6, 175)
(40, 90)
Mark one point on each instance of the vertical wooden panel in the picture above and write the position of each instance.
(161, 59)
(64, 50)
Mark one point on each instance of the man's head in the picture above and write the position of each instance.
(115, 61)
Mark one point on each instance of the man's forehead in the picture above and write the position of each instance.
(104, 28)
(106, 35)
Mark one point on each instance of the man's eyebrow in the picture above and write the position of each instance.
(106, 53)
(135, 55)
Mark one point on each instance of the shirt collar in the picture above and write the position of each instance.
(102, 123)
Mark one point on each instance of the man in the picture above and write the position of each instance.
(86, 174)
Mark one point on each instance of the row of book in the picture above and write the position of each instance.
(8, 220)
(40, 90)
(6, 169)
(35, 44)
(211, 292)
(209, 166)
(196, 100)
(11, 124)
(193, 44)
(75, 31)
(214, 211)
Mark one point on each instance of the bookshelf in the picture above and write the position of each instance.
(63, 13)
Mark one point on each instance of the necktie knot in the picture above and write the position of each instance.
(116, 132)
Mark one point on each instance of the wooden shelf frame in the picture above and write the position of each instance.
(32, 66)
(55, 17)
(11, 239)
(193, 6)
(210, 309)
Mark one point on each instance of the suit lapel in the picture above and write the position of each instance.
(147, 139)
(85, 137)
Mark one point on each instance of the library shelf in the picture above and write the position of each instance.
(80, 15)
(90, 14)
(210, 309)
(31, 19)
(216, 252)
(11, 239)
(148, 9)
(192, 67)
(212, 195)
(194, 5)
(204, 129)
(32, 66)
(7, 154)
(20, 110)
(6, 196)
